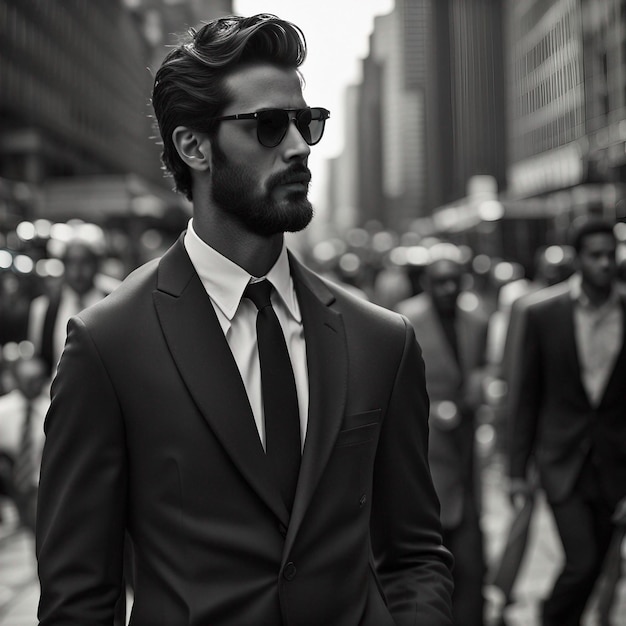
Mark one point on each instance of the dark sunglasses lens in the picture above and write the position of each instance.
(272, 126)
(310, 123)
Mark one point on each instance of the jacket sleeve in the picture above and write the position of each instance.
(526, 396)
(82, 492)
(412, 565)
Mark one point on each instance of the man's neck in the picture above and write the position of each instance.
(596, 296)
(254, 253)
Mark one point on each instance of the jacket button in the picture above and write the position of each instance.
(363, 500)
(290, 571)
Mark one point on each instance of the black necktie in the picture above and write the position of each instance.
(280, 399)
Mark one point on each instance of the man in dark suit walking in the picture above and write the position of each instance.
(451, 328)
(247, 503)
(570, 414)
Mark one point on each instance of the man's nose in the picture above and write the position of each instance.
(295, 143)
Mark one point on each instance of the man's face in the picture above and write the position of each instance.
(596, 260)
(265, 189)
(444, 284)
(31, 376)
(81, 267)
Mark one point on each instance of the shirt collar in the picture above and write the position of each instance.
(581, 299)
(225, 281)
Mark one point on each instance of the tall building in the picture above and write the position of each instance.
(431, 109)
(401, 114)
(370, 197)
(74, 85)
(343, 174)
(465, 107)
(604, 45)
(75, 119)
(546, 96)
(567, 103)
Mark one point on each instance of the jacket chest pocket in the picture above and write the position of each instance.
(359, 428)
(353, 457)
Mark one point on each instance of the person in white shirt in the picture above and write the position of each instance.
(22, 412)
(78, 289)
(569, 418)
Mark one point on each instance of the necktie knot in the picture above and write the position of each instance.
(259, 293)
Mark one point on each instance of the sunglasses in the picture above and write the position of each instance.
(272, 124)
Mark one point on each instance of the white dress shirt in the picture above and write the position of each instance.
(599, 337)
(12, 411)
(225, 282)
(69, 305)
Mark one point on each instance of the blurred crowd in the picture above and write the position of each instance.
(459, 300)
(49, 272)
(494, 389)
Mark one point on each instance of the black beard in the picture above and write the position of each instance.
(233, 193)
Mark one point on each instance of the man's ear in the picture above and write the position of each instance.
(193, 148)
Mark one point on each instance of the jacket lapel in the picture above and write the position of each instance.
(327, 365)
(615, 382)
(565, 322)
(206, 365)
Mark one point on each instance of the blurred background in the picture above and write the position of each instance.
(490, 124)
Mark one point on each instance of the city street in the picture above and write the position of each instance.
(19, 589)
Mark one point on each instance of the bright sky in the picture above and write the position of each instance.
(337, 33)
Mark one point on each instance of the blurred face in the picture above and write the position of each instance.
(264, 189)
(81, 267)
(31, 376)
(597, 262)
(444, 284)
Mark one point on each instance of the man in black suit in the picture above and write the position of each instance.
(570, 414)
(161, 424)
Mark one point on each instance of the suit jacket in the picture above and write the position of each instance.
(458, 381)
(552, 417)
(150, 430)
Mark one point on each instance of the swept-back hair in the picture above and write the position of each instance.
(189, 87)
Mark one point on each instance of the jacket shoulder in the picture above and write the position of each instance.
(547, 298)
(352, 303)
(353, 307)
(126, 297)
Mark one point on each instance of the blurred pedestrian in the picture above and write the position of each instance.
(50, 312)
(451, 328)
(392, 283)
(552, 266)
(259, 432)
(570, 414)
(15, 298)
(22, 412)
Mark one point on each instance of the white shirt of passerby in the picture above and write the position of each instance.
(599, 337)
(12, 411)
(69, 305)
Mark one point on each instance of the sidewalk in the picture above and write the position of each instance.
(19, 589)
(543, 558)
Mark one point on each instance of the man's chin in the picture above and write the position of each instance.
(290, 220)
